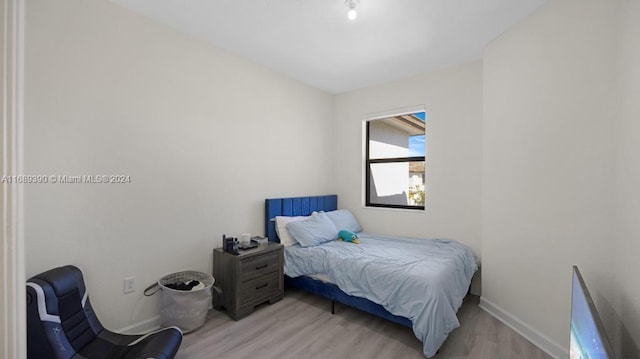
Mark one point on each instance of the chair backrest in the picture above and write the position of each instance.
(60, 319)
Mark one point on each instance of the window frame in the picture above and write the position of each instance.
(368, 162)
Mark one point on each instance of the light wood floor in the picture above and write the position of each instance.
(301, 326)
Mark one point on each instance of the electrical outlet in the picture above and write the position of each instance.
(129, 285)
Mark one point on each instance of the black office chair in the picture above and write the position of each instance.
(61, 324)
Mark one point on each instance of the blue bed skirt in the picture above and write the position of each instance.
(332, 292)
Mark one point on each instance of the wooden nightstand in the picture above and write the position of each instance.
(253, 277)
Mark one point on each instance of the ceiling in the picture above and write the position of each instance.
(314, 42)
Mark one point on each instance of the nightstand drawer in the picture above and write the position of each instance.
(259, 289)
(260, 266)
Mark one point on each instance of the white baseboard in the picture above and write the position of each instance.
(142, 327)
(540, 340)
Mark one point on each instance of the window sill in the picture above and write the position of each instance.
(394, 209)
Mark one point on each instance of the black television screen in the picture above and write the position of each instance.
(588, 338)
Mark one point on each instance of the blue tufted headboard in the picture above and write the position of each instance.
(294, 206)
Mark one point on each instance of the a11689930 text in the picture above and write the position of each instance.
(64, 179)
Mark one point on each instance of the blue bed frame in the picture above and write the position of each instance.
(304, 206)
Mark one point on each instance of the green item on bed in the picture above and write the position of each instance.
(348, 236)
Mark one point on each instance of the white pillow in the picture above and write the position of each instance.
(281, 229)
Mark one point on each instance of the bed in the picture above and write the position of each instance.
(424, 293)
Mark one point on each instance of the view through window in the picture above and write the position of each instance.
(395, 158)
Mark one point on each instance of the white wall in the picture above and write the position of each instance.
(452, 99)
(627, 266)
(204, 135)
(551, 156)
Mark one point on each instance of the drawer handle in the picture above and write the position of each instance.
(262, 266)
(261, 286)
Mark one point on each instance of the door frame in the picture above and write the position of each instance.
(13, 344)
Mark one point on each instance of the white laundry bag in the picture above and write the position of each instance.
(185, 309)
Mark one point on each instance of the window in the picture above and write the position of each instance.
(395, 158)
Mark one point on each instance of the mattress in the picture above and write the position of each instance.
(323, 277)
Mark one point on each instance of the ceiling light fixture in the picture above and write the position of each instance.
(352, 14)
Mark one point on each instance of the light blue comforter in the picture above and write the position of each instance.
(424, 280)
